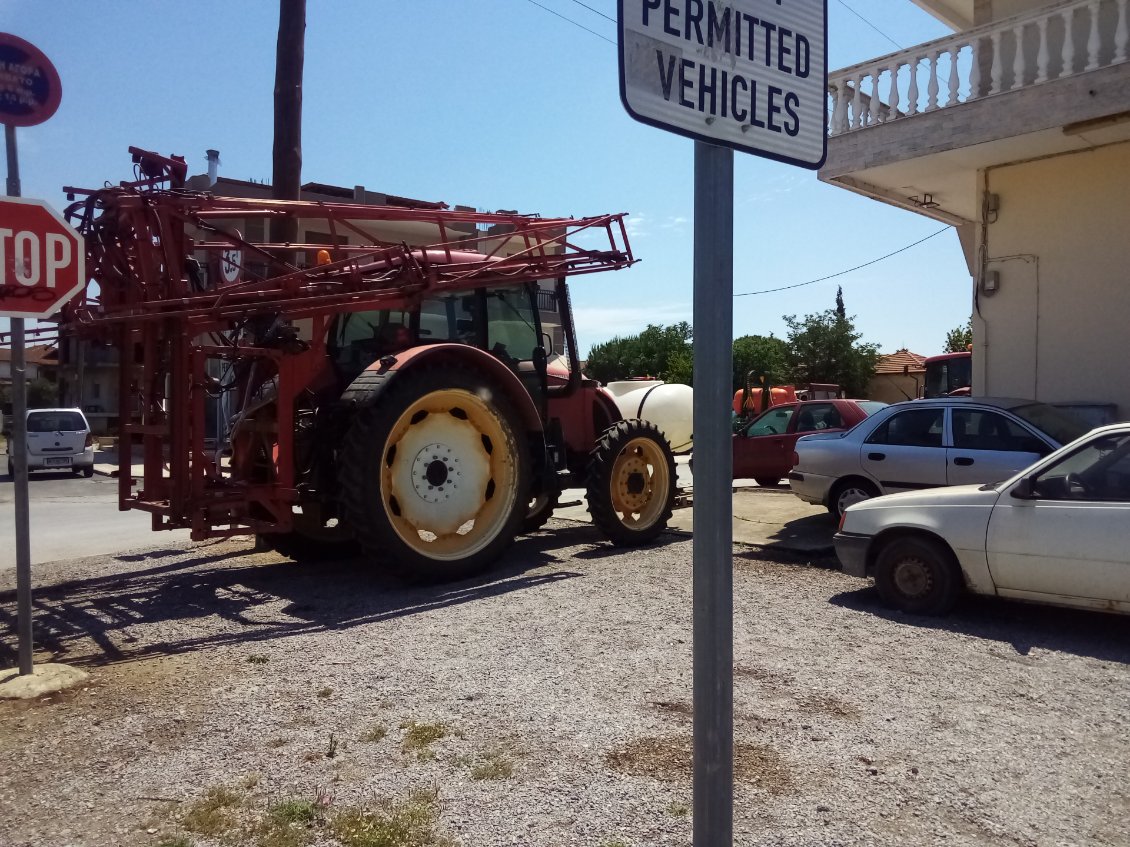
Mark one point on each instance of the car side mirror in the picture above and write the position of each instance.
(1025, 489)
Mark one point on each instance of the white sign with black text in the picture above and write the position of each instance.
(746, 74)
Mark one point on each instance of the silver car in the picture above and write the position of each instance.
(925, 444)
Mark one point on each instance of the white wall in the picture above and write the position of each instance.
(1058, 329)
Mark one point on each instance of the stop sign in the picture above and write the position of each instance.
(42, 259)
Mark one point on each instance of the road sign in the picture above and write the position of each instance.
(231, 264)
(30, 89)
(745, 74)
(42, 259)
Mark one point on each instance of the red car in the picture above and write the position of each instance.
(763, 450)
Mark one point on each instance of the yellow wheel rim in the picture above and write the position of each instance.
(640, 482)
(449, 476)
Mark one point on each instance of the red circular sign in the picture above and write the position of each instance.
(42, 259)
(30, 88)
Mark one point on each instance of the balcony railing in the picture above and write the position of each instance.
(1059, 41)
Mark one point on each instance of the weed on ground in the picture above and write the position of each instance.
(418, 737)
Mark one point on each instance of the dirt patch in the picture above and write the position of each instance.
(670, 759)
(674, 707)
(829, 705)
(762, 674)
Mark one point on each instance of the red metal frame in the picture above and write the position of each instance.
(141, 237)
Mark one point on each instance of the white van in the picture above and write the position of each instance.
(58, 439)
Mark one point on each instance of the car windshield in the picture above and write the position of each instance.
(1058, 424)
(870, 407)
(55, 422)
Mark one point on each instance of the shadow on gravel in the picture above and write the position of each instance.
(1023, 627)
(104, 620)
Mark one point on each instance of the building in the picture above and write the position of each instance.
(41, 362)
(898, 376)
(1015, 130)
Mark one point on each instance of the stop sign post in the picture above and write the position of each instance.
(43, 266)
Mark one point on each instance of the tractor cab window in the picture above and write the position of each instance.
(512, 324)
(357, 339)
(502, 321)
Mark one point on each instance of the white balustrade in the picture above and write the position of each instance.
(859, 98)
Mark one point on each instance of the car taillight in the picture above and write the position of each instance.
(89, 440)
(796, 458)
(840, 527)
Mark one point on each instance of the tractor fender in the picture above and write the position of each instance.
(605, 408)
(366, 388)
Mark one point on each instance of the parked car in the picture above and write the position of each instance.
(1058, 532)
(58, 439)
(925, 444)
(763, 449)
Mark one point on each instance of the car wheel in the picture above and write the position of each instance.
(767, 482)
(917, 575)
(88, 471)
(849, 492)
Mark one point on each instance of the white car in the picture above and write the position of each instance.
(1058, 532)
(58, 439)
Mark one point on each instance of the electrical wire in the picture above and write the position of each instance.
(850, 9)
(849, 270)
(596, 11)
(570, 20)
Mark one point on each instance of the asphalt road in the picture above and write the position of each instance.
(73, 517)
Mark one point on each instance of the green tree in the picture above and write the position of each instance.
(825, 347)
(763, 356)
(660, 352)
(959, 339)
(42, 393)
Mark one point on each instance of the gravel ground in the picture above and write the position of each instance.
(571, 665)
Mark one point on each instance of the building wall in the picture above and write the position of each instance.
(1056, 329)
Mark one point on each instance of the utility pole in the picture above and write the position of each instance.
(286, 178)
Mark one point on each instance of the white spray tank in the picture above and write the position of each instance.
(668, 405)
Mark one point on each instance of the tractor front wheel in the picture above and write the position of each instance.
(433, 476)
(631, 483)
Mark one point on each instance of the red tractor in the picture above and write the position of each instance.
(350, 389)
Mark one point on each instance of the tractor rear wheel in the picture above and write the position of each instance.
(631, 483)
(433, 476)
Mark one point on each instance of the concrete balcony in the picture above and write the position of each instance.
(913, 128)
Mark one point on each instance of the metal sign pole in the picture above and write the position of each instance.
(713, 496)
(19, 444)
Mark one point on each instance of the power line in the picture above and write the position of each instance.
(596, 11)
(849, 270)
(850, 9)
(570, 20)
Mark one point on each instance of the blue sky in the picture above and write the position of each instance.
(498, 104)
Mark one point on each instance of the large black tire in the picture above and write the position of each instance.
(766, 482)
(540, 510)
(917, 575)
(434, 476)
(631, 483)
(847, 492)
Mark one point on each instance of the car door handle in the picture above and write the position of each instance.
(878, 457)
(964, 461)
